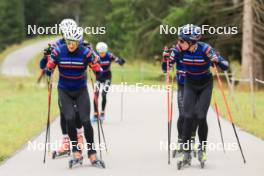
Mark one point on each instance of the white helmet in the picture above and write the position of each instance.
(101, 47)
(73, 33)
(67, 23)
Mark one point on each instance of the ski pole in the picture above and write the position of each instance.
(169, 107)
(230, 117)
(172, 82)
(171, 102)
(47, 138)
(122, 94)
(99, 123)
(218, 120)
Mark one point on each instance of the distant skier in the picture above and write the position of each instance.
(105, 78)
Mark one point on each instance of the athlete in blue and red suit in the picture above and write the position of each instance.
(72, 60)
(180, 77)
(65, 147)
(197, 58)
(105, 78)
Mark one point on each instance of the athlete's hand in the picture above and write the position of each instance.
(47, 51)
(166, 53)
(121, 61)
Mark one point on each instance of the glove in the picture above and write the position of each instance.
(213, 56)
(47, 51)
(86, 44)
(166, 54)
(121, 61)
(96, 67)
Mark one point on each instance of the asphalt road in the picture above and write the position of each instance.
(15, 64)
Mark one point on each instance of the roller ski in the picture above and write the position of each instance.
(184, 158)
(202, 157)
(77, 159)
(96, 162)
(64, 150)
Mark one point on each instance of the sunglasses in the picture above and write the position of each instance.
(69, 42)
(181, 41)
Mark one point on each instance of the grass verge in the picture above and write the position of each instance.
(23, 112)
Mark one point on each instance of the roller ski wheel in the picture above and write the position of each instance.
(98, 163)
(202, 157)
(75, 161)
(184, 159)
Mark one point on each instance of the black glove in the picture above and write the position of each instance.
(86, 44)
(121, 61)
(47, 51)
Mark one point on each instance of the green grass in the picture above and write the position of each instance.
(138, 72)
(243, 117)
(23, 112)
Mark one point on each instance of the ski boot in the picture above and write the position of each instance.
(178, 148)
(94, 118)
(202, 157)
(77, 159)
(193, 147)
(96, 162)
(64, 150)
(184, 159)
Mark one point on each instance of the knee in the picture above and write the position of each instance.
(187, 115)
(201, 116)
(202, 121)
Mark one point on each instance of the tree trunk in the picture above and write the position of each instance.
(247, 45)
